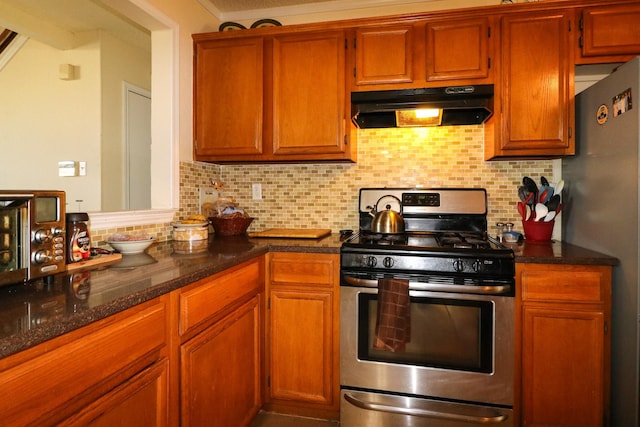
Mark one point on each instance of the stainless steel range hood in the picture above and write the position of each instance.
(443, 106)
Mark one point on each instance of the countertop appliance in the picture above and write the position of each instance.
(32, 234)
(601, 213)
(455, 363)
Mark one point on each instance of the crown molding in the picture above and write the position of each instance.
(309, 8)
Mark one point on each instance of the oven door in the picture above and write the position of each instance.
(461, 347)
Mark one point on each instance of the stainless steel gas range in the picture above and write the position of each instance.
(427, 333)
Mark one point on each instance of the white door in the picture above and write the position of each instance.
(137, 143)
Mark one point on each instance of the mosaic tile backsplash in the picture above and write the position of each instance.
(326, 195)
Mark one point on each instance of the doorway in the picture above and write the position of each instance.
(137, 147)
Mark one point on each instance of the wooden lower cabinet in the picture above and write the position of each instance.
(141, 401)
(564, 316)
(221, 334)
(303, 334)
(95, 374)
(220, 371)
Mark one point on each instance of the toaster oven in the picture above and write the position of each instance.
(32, 234)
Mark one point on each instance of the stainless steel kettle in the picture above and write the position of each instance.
(387, 221)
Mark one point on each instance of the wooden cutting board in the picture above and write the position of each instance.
(99, 261)
(292, 233)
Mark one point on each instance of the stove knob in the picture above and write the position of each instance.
(371, 261)
(477, 266)
(458, 265)
(388, 262)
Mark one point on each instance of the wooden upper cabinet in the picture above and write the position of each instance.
(384, 55)
(458, 50)
(309, 96)
(228, 97)
(425, 53)
(534, 97)
(609, 31)
(274, 97)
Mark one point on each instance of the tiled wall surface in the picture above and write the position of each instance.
(326, 195)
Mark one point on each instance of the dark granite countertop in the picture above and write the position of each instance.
(559, 253)
(35, 312)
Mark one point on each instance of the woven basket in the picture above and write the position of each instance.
(230, 226)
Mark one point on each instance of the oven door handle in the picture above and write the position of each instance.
(422, 286)
(495, 418)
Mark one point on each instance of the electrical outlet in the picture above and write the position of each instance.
(256, 191)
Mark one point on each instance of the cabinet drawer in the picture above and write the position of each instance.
(568, 284)
(304, 268)
(62, 380)
(209, 296)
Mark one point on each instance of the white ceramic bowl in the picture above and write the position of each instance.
(130, 246)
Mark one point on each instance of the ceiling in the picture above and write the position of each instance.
(58, 22)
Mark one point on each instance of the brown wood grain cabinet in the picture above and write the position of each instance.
(608, 33)
(140, 401)
(458, 51)
(564, 349)
(385, 57)
(309, 97)
(95, 374)
(534, 109)
(228, 97)
(280, 97)
(303, 334)
(423, 53)
(220, 356)
(190, 357)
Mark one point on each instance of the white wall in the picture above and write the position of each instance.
(35, 117)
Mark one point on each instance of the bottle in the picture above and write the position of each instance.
(78, 238)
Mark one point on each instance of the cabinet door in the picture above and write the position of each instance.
(457, 49)
(563, 367)
(141, 401)
(384, 55)
(535, 105)
(228, 98)
(220, 371)
(301, 345)
(610, 30)
(303, 334)
(309, 96)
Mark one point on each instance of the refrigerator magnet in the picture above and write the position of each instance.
(622, 103)
(603, 114)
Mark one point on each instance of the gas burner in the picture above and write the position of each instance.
(382, 238)
(463, 240)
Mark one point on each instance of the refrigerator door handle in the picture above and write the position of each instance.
(493, 418)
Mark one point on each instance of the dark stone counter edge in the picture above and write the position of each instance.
(19, 342)
(556, 252)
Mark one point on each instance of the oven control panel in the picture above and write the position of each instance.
(429, 264)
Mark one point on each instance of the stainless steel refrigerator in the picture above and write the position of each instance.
(601, 212)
